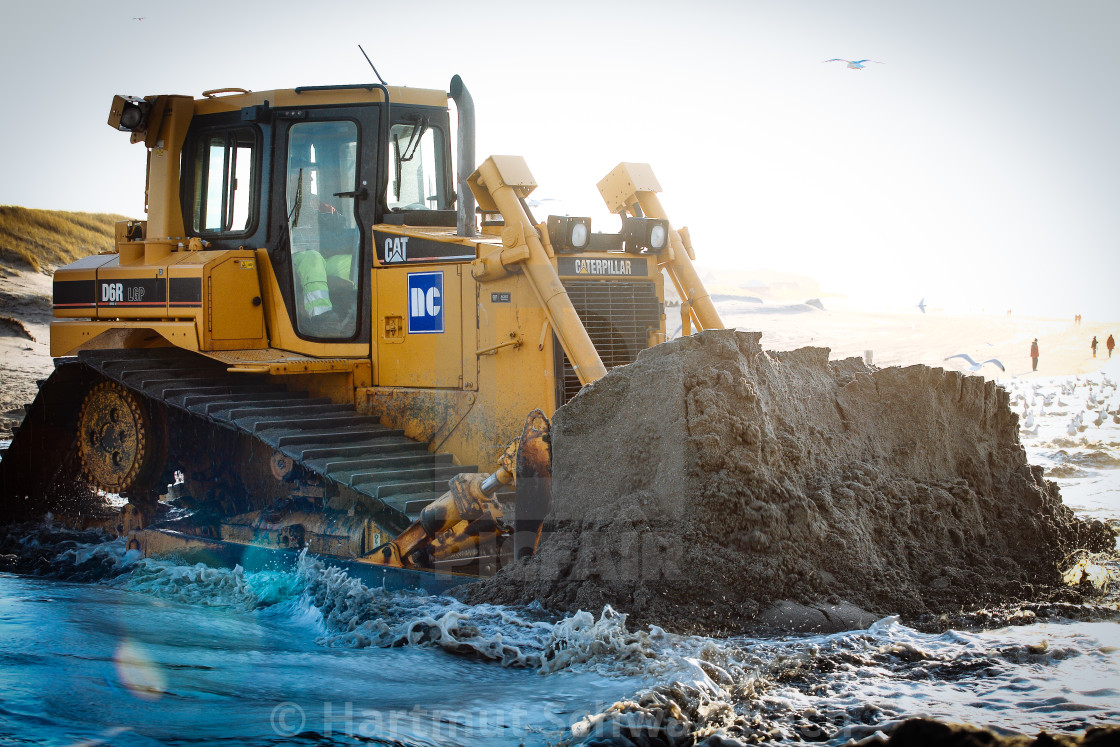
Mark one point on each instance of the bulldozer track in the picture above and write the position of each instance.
(342, 447)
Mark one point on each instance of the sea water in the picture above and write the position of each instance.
(145, 652)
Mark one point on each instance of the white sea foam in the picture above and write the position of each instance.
(197, 584)
(832, 688)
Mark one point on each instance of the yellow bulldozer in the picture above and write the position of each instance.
(322, 331)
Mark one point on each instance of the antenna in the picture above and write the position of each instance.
(371, 65)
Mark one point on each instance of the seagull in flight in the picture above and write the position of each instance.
(973, 365)
(138, 18)
(854, 64)
(922, 305)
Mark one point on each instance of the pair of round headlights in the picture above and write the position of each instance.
(568, 234)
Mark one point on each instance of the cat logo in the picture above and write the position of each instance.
(396, 249)
(603, 267)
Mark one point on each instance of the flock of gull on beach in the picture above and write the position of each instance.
(1087, 400)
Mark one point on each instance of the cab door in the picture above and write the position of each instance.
(324, 170)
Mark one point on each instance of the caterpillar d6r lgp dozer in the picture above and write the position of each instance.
(308, 341)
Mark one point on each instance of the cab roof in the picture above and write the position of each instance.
(232, 99)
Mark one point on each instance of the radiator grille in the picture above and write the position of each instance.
(618, 315)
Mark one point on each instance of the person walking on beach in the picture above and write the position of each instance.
(1034, 355)
(1093, 345)
(1110, 343)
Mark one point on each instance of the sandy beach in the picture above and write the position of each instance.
(25, 315)
(785, 308)
(899, 339)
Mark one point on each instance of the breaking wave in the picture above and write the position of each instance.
(346, 612)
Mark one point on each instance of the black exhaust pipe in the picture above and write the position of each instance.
(464, 141)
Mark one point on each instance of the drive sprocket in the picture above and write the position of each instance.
(122, 442)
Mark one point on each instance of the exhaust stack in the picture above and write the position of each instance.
(464, 198)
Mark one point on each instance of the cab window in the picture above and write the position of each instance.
(416, 169)
(223, 166)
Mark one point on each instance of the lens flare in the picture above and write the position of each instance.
(137, 672)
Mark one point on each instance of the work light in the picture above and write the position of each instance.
(650, 234)
(129, 113)
(131, 117)
(567, 234)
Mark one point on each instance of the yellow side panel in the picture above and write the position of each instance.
(232, 289)
(507, 367)
(514, 359)
(76, 289)
(418, 324)
(514, 344)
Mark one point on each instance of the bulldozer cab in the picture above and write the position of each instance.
(308, 183)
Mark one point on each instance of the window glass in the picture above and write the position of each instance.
(214, 183)
(241, 218)
(322, 226)
(416, 169)
(224, 165)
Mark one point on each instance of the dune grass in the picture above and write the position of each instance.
(44, 239)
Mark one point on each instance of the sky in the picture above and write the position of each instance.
(978, 167)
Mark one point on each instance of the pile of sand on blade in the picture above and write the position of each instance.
(709, 480)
